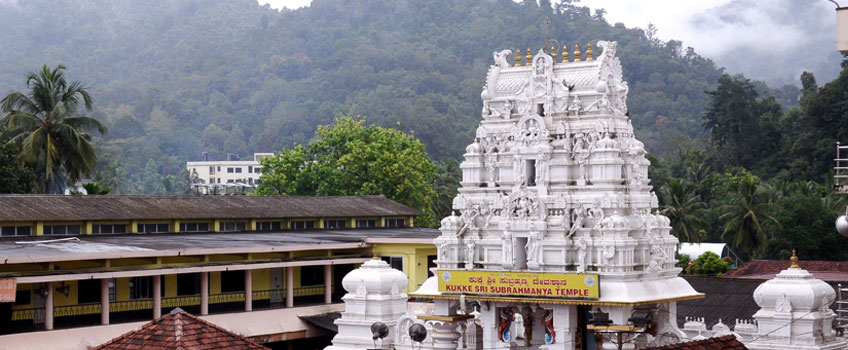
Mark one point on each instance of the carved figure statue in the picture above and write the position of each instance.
(361, 290)
(443, 249)
(505, 319)
(577, 217)
(500, 58)
(576, 107)
(581, 254)
(783, 304)
(486, 112)
(469, 252)
(548, 324)
(518, 326)
(608, 253)
(658, 255)
(505, 111)
(506, 247)
(534, 247)
(492, 167)
(541, 170)
(597, 215)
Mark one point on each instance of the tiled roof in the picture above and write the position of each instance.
(727, 342)
(179, 330)
(727, 299)
(766, 269)
(133, 207)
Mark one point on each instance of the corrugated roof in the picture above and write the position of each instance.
(133, 207)
(726, 299)
(727, 342)
(180, 330)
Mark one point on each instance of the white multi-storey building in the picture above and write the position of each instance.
(220, 173)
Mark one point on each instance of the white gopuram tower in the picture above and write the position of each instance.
(554, 217)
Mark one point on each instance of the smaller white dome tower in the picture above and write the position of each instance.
(374, 294)
(795, 312)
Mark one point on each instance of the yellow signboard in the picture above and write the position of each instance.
(529, 284)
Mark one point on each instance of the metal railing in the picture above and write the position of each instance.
(841, 322)
(274, 298)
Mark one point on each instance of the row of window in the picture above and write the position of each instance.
(237, 170)
(226, 226)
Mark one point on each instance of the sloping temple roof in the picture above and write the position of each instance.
(180, 330)
(109, 207)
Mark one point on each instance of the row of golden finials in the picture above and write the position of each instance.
(529, 57)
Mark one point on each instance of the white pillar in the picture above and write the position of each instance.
(289, 286)
(328, 284)
(157, 296)
(565, 324)
(204, 293)
(248, 290)
(104, 301)
(48, 307)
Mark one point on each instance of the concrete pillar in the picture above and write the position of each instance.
(48, 307)
(248, 290)
(104, 301)
(157, 296)
(204, 293)
(289, 286)
(328, 284)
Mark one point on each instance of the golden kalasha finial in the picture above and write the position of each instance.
(529, 58)
(794, 260)
(589, 51)
(576, 53)
(564, 53)
(518, 58)
(374, 253)
(553, 53)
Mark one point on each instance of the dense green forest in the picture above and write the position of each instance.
(733, 160)
(173, 79)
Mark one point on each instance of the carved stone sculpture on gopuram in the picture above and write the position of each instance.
(555, 216)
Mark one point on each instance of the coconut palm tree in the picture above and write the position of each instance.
(746, 216)
(684, 208)
(45, 123)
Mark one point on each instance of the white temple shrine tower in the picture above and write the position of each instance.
(554, 219)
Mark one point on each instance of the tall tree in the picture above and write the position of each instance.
(44, 122)
(14, 178)
(350, 158)
(684, 208)
(746, 216)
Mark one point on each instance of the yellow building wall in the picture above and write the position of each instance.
(414, 260)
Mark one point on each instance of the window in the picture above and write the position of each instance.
(269, 226)
(230, 181)
(15, 231)
(153, 228)
(188, 284)
(250, 169)
(311, 275)
(335, 223)
(211, 170)
(219, 180)
(194, 227)
(88, 291)
(108, 229)
(530, 172)
(229, 170)
(303, 225)
(395, 223)
(238, 170)
(58, 230)
(219, 168)
(142, 287)
(396, 262)
(233, 226)
(232, 281)
(257, 170)
(23, 297)
(366, 223)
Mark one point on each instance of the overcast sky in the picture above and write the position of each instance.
(724, 30)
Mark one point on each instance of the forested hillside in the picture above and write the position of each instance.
(172, 79)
